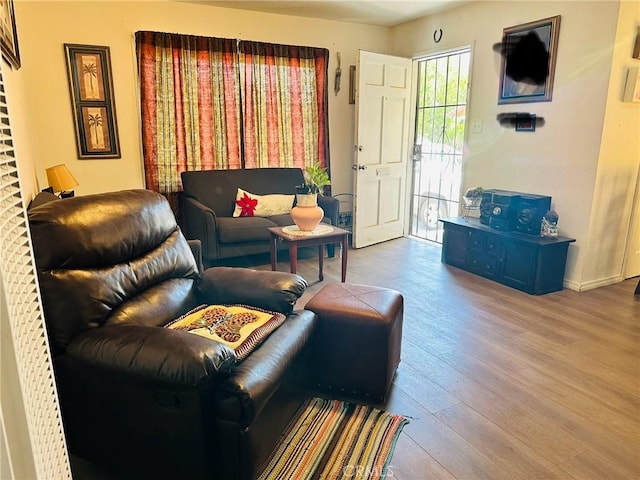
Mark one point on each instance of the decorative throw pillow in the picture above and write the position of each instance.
(239, 327)
(251, 205)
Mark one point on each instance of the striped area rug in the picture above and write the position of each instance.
(329, 439)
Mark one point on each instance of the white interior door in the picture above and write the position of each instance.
(382, 138)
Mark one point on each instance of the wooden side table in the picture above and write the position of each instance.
(304, 239)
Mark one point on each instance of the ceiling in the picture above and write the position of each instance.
(383, 13)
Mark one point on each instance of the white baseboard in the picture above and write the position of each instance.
(602, 282)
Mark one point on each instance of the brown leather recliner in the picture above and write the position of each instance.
(146, 401)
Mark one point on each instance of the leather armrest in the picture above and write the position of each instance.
(153, 353)
(276, 291)
(331, 207)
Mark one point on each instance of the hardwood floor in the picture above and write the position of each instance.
(501, 384)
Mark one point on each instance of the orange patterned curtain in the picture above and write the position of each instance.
(190, 106)
(215, 103)
(285, 100)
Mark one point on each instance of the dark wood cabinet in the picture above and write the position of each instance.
(527, 262)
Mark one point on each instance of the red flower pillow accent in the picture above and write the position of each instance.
(247, 205)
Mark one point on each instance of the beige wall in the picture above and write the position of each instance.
(565, 158)
(44, 26)
(618, 165)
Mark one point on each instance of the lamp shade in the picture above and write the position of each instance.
(60, 178)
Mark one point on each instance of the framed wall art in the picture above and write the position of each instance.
(632, 86)
(91, 90)
(9, 34)
(528, 61)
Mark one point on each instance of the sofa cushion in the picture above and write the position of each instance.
(240, 327)
(282, 220)
(251, 205)
(244, 229)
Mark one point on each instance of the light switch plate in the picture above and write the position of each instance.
(476, 126)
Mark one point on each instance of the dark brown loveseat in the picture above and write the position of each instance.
(208, 201)
(146, 401)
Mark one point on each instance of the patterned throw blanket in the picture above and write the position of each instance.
(240, 327)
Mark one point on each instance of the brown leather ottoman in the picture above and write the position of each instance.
(356, 342)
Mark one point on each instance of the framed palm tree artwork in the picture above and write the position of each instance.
(93, 105)
(8, 34)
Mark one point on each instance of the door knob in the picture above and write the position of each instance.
(362, 167)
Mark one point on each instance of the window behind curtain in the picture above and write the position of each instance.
(215, 103)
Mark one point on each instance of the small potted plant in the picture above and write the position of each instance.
(473, 196)
(307, 214)
(315, 179)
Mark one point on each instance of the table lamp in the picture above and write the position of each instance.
(61, 180)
